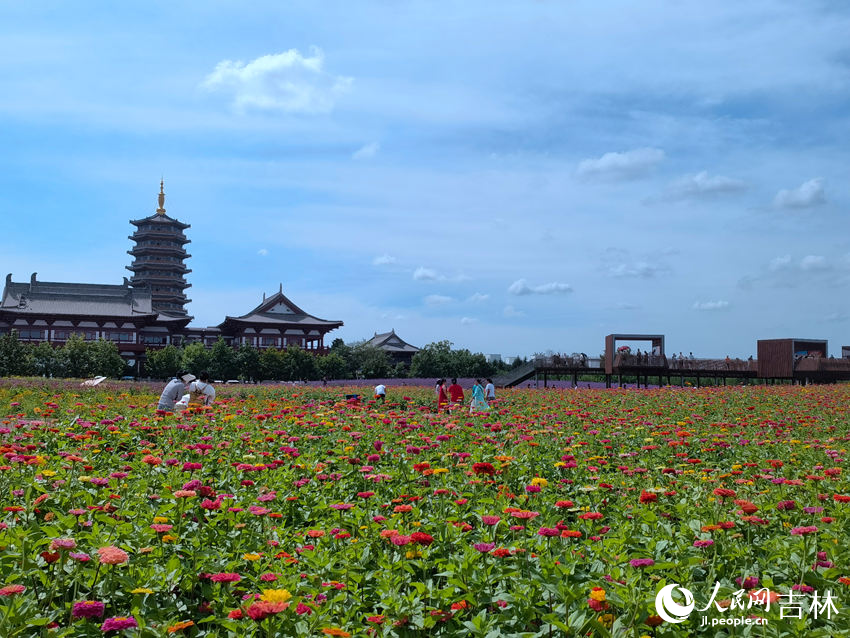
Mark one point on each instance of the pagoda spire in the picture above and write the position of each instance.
(161, 209)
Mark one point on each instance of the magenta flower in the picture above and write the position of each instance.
(802, 531)
(484, 548)
(706, 543)
(342, 506)
(117, 623)
(490, 520)
(88, 609)
(548, 531)
(641, 562)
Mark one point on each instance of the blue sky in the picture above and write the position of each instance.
(515, 177)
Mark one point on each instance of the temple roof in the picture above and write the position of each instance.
(279, 310)
(101, 300)
(391, 342)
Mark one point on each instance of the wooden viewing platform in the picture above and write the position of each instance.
(779, 360)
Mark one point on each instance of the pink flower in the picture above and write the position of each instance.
(11, 590)
(490, 520)
(802, 531)
(88, 609)
(62, 543)
(225, 577)
(548, 531)
(117, 623)
(111, 555)
(484, 548)
(641, 562)
(706, 543)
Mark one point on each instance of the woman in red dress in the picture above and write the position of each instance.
(442, 397)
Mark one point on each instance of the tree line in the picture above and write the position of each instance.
(76, 358)
(359, 360)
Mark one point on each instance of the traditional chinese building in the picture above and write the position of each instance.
(398, 350)
(149, 309)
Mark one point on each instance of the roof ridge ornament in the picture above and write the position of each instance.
(161, 198)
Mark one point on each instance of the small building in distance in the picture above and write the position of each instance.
(398, 350)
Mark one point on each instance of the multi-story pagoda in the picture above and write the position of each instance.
(158, 258)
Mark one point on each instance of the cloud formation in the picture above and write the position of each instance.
(520, 288)
(289, 82)
(807, 195)
(478, 298)
(700, 186)
(468, 320)
(814, 262)
(384, 260)
(636, 270)
(710, 305)
(425, 274)
(512, 312)
(263, 252)
(366, 152)
(621, 166)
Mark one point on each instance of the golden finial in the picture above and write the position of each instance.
(161, 209)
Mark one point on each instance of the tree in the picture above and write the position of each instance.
(163, 363)
(195, 358)
(370, 362)
(332, 366)
(105, 359)
(77, 356)
(271, 364)
(434, 360)
(222, 363)
(44, 360)
(298, 365)
(248, 363)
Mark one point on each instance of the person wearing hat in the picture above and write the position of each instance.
(201, 391)
(174, 391)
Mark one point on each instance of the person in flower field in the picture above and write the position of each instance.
(202, 393)
(380, 392)
(455, 393)
(478, 402)
(174, 391)
(442, 397)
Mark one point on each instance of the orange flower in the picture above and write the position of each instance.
(111, 555)
(181, 625)
(335, 631)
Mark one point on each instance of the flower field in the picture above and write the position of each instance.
(287, 511)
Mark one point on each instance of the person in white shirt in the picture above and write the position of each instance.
(489, 390)
(380, 392)
(174, 390)
(202, 391)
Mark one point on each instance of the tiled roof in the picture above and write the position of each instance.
(391, 342)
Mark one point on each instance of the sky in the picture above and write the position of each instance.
(514, 177)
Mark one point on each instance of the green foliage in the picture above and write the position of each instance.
(77, 354)
(163, 363)
(195, 358)
(222, 361)
(332, 366)
(439, 360)
(105, 359)
(45, 361)
(370, 362)
(13, 356)
(247, 363)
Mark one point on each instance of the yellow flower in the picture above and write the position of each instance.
(142, 590)
(48, 473)
(275, 595)
(439, 470)
(542, 482)
(160, 519)
(169, 538)
(597, 594)
(413, 554)
(252, 556)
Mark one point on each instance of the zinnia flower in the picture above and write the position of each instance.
(117, 623)
(111, 555)
(11, 590)
(641, 562)
(88, 609)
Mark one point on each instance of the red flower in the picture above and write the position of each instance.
(648, 497)
(422, 538)
(483, 468)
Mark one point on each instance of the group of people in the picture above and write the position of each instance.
(453, 396)
(199, 390)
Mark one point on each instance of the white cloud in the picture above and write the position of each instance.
(779, 263)
(384, 260)
(640, 270)
(263, 252)
(425, 274)
(814, 262)
(711, 305)
(437, 300)
(288, 82)
(510, 311)
(701, 185)
(520, 287)
(366, 152)
(478, 298)
(626, 165)
(807, 195)
(468, 320)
